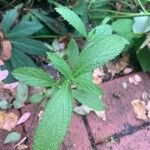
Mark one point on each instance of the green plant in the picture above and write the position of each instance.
(101, 46)
(16, 38)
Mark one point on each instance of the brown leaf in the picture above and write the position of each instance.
(22, 147)
(139, 107)
(6, 50)
(8, 120)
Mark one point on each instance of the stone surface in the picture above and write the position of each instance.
(77, 137)
(137, 141)
(119, 110)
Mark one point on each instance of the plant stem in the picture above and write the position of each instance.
(139, 1)
(44, 36)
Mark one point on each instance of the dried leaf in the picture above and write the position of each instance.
(6, 50)
(139, 107)
(135, 79)
(3, 74)
(12, 137)
(22, 147)
(101, 114)
(8, 120)
(82, 110)
(24, 118)
(1, 63)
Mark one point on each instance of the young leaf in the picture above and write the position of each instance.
(12, 138)
(8, 20)
(88, 99)
(30, 46)
(60, 64)
(87, 86)
(55, 120)
(99, 52)
(24, 29)
(73, 53)
(33, 77)
(73, 19)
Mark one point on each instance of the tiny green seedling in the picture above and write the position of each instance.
(101, 46)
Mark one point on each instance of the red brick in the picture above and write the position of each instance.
(77, 137)
(137, 141)
(118, 110)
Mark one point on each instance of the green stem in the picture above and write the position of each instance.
(139, 1)
(44, 36)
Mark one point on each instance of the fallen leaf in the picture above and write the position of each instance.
(135, 79)
(3, 74)
(22, 147)
(127, 70)
(82, 110)
(12, 137)
(19, 143)
(98, 75)
(8, 120)
(11, 86)
(6, 50)
(101, 114)
(24, 118)
(139, 107)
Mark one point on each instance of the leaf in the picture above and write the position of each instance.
(8, 20)
(3, 104)
(19, 59)
(33, 77)
(88, 99)
(3, 74)
(97, 53)
(139, 107)
(100, 30)
(21, 96)
(144, 58)
(123, 27)
(12, 137)
(60, 64)
(88, 86)
(55, 120)
(141, 24)
(24, 29)
(24, 118)
(36, 98)
(73, 19)
(72, 53)
(82, 110)
(30, 46)
(8, 120)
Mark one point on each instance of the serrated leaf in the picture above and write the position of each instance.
(88, 99)
(12, 137)
(33, 77)
(60, 64)
(144, 58)
(36, 98)
(100, 30)
(55, 120)
(72, 53)
(30, 46)
(97, 53)
(87, 85)
(73, 19)
(19, 59)
(8, 20)
(24, 29)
